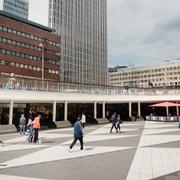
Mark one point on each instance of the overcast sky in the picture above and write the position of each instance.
(143, 32)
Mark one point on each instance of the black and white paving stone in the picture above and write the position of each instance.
(143, 150)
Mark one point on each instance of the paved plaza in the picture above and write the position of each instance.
(143, 150)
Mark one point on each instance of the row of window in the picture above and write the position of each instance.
(26, 66)
(53, 62)
(22, 55)
(144, 80)
(26, 35)
(144, 72)
(142, 75)
(19, 33)
(22, 44)
(28, 46)
(19, 54)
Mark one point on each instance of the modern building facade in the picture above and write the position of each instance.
(15, 7)
(28, 49)
(163, 75)
(82, 26)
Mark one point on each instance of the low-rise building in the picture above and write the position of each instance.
(162, 75)
(28, 49)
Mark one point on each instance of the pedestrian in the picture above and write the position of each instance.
(118, 127)
(78, 133)
(83, 120)
(36, 127)
(2, 143)
(113, 121)
(22, 124)
(30, 130)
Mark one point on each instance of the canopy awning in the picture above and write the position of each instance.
(165, 104)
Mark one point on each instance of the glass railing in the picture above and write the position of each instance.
(54, 86)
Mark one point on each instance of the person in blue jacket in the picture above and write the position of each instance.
(78, 133)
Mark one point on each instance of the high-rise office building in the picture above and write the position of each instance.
(82, 25)
(15, 7)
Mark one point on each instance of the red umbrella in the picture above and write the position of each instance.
(165, 104)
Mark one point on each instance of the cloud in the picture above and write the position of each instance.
(143, 32)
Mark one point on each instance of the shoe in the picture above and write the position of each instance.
(69, 149)
(110, 131)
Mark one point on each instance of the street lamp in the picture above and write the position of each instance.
(42, 61)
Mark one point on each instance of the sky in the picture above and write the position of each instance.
(143, 32)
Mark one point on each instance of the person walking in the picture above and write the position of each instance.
(30, 130)
(22, 124)
(78, 133)
(2, 143)
(118, 127)
(113, 120)
(83, 120)
(36, 127)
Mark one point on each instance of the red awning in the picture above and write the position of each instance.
(165, 104)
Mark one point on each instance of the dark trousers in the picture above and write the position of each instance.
(118, 127)
(36, 133)
(80, 138)
(113, 126)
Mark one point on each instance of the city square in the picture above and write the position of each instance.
(143, 150)
(71, 71)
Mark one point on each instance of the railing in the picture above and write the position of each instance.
(163, 118)
(54, 86)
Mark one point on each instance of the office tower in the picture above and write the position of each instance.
(15, 7)
(82, 25)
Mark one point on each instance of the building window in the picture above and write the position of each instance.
(4, 29)
(2, 62)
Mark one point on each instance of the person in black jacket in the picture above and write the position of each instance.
(2, 143)
(118, 127)
(113, 120)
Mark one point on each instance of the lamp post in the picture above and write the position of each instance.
(42, 61)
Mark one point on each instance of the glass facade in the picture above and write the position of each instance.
(16, 7)
(82, 25)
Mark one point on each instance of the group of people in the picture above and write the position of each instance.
(79, 125)
(116, 121)
(33, 127)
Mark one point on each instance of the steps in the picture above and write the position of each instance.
(102, 121)
(63, 124)
(7, 129)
